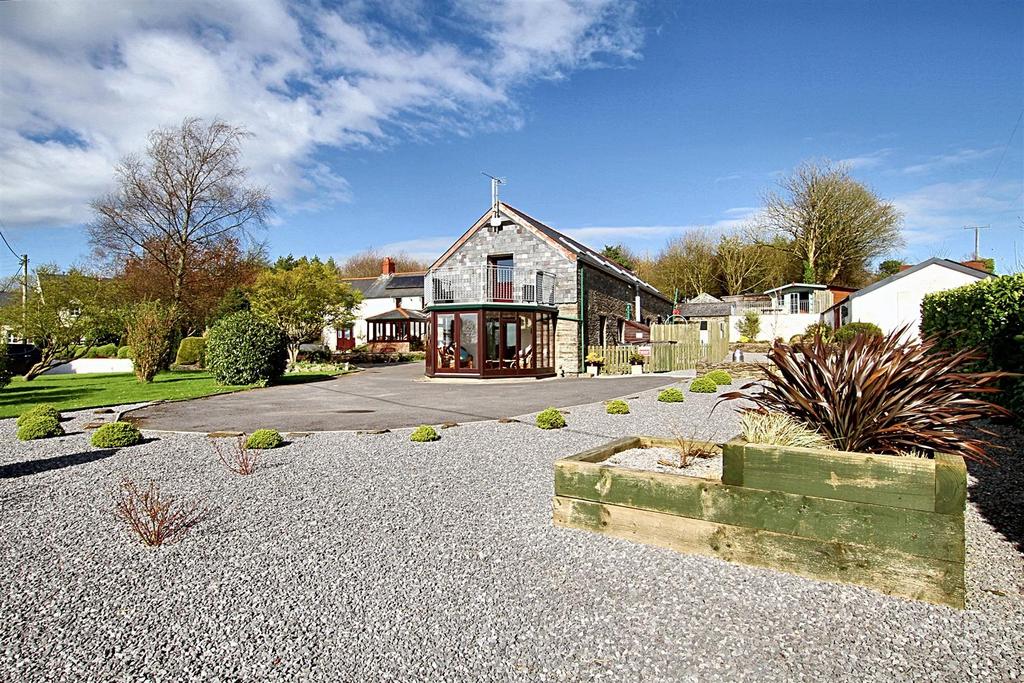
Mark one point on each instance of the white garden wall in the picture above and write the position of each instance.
(92, 366)
(783, 325)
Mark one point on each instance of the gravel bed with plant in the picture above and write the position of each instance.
(369, 557)
(658, 459)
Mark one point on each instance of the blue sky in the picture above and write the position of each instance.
(613, 121)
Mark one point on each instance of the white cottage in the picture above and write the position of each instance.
(896, 300)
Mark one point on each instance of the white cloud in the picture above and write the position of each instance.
(867, 161)
(597, 236)
(84, 82)
(933, 211)
(942, 161)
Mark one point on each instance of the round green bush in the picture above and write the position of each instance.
(191, 351)
(102, 351)
(719, 377)
(848, 332)
(617, 407)
(671, 395)
(703, 385)
(424, 433)
(550, 418)
(42, 409)
(116, 435)
(39, 427)
(264, 438)
(124, 352)
(243, 348)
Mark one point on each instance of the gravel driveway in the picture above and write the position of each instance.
(367, 557)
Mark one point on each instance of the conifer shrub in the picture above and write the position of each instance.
(424, 433)
(671, 395)
(39, 427)
(719, 377)
(550, 418)
(617, 407)
(41, 409)
(703, 385)
(264, 438)
(116, 435)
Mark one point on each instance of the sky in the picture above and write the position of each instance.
(614, 121)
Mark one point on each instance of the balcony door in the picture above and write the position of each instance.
(500, 280)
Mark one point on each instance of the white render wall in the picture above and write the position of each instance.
(899, 302)
(783, 325)
(87, 366)
(369, 308)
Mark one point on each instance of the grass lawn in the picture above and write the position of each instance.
(70, 392)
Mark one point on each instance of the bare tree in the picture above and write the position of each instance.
(740, 266)
(186, 196)
(832, 224)
(367, 263)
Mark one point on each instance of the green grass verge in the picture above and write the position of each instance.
(73, 392)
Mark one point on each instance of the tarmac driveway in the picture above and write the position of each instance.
(383, 397)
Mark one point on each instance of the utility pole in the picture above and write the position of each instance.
(977, 238)
(24, 291)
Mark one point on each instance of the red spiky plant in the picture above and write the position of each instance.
(881, 394)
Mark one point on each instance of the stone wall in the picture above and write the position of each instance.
(567, 341)
(610, 297)
(529, 251)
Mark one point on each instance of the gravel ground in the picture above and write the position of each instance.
(367, 557)
(651, 459)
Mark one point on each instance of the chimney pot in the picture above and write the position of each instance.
(387, 266)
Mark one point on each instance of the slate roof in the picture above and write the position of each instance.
(399, 314)
(586, 254)
(704, 306)
(388, 286)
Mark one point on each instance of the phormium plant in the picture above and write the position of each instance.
(881, 394)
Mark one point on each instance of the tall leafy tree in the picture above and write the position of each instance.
(66, 315)
(620, 254)
(831, 223)
(302, 299)
(186, 196)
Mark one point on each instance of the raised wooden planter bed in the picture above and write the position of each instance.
(890, 523)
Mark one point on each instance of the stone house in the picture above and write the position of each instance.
(515, 297)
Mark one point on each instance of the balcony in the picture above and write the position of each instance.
(489, 284)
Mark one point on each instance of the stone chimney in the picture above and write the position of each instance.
(387, 266)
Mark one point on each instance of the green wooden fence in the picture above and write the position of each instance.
(672, 347)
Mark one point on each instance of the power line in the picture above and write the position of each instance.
(1007, 146)
(9, 247)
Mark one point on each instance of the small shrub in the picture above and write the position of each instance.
(155, 518)
(149, 329)
(819, 329)
(703, 385)
(778, 429)
(191, 351)
(236, 454)
(671, 395)
(749, 325)
(116, 435)
(850, 331)
(124, 352)
(424, 433)
(41, 409)
(264, 438)
(39, 427)
(243, 348)
(617, 407)
(550, 418)
(719, 377)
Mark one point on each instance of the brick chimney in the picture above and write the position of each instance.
(905, 266)
(387, 266)
(977, 265)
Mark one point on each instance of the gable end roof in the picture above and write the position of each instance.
(935, 261)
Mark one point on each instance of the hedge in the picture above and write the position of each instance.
(987, 315)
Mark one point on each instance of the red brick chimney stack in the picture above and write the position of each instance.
(387, 266)
(977, 265)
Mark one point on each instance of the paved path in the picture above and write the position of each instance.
(383, 397)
